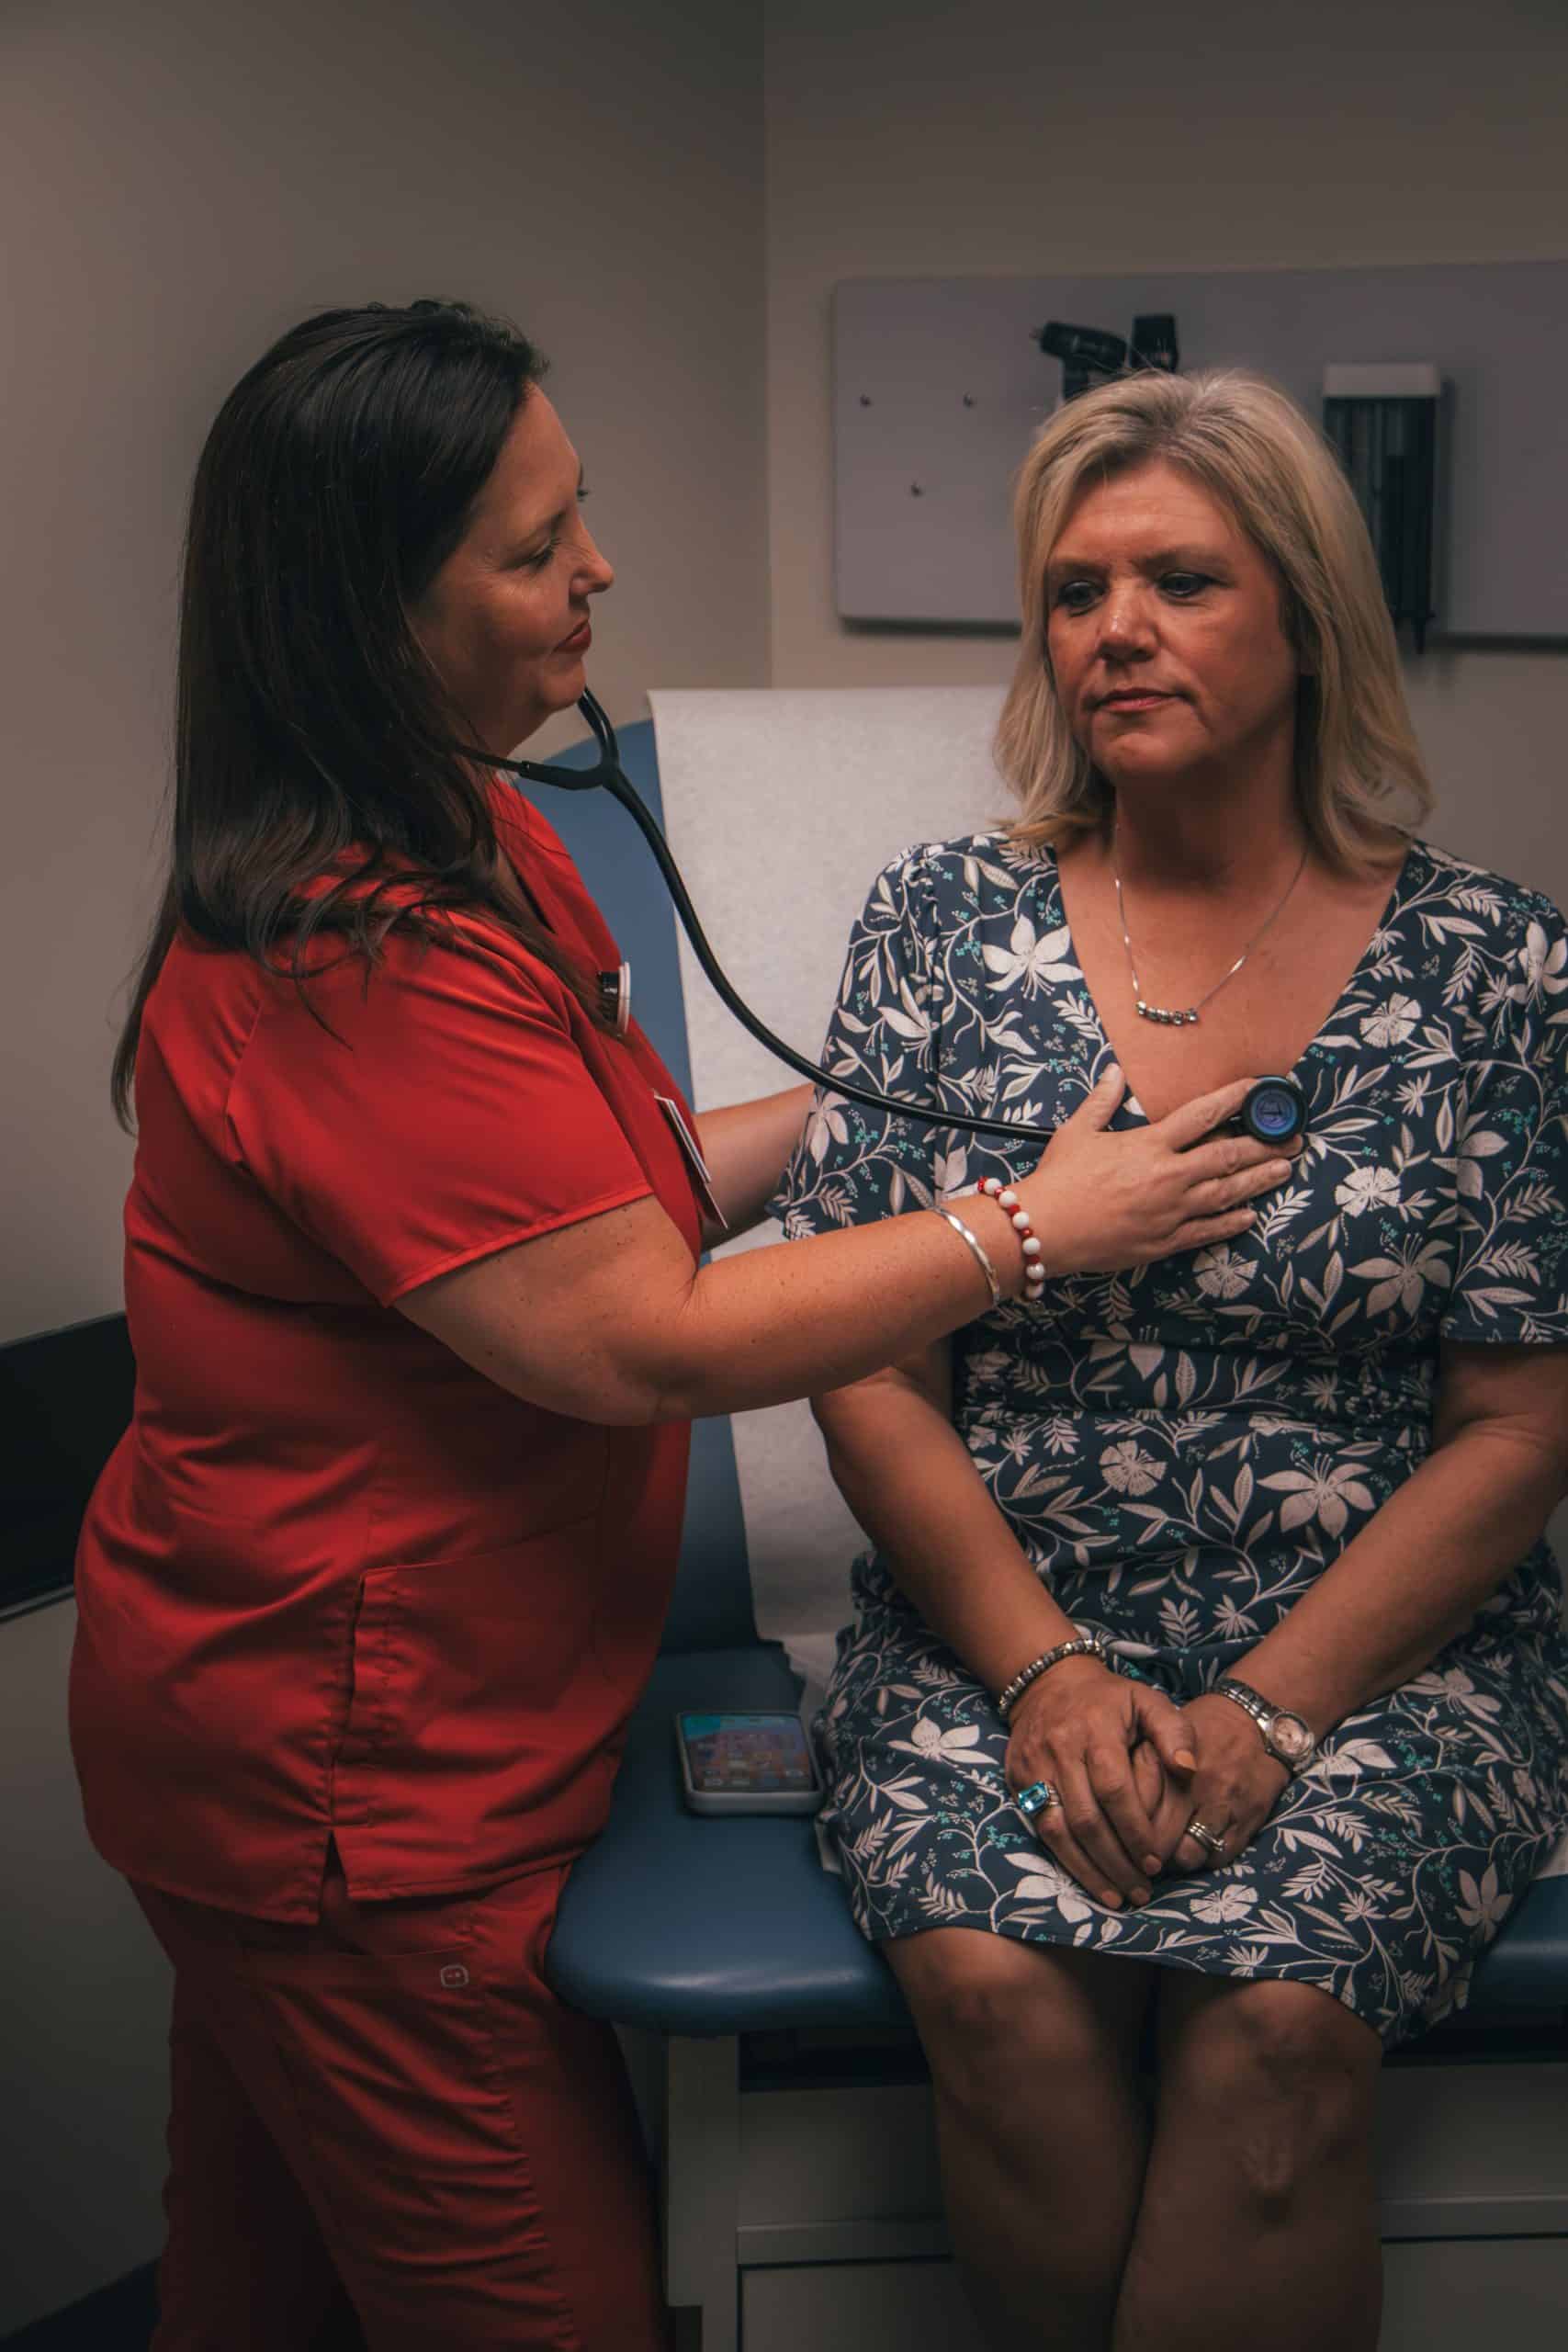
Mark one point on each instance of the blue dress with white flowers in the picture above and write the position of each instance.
(1182, 1449)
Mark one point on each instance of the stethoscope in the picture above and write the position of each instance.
(1274, 1110)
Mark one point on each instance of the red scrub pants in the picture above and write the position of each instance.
(387, 2131)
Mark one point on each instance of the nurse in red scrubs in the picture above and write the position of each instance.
(372, 1585)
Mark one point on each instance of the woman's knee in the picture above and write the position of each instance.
(992, 2011)
(1281, 2081)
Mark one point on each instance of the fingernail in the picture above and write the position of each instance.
(1151, 1863)
(1112, 1900)
(1184, 1760)
(1141, 1893)
(1279, 1169)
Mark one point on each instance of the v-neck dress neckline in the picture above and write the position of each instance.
(1055, 905)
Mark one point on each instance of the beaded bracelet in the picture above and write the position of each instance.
(1006, 1198)
(1082, 1645)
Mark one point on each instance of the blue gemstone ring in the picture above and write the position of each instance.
(1036, 1798)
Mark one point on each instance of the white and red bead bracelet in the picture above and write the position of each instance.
(1029, 1241)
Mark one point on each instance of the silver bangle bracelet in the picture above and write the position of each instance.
(1083, 1645)
(993, 1282)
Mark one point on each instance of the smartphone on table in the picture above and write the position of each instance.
(751, 1762)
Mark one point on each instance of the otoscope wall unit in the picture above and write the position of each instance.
(939, 385)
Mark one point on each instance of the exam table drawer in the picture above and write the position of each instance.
(1437, 2299)
(1466, 2151)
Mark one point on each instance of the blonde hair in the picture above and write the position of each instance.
(1253, 450)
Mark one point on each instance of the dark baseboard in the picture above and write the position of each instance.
(118, 2318)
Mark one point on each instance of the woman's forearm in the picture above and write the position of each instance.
(605, 1317)
(746, 1147)
(1413, 1580)
(906, 1475)
(767, 1325)
(608, 1319)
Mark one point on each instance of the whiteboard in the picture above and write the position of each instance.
(938, 387)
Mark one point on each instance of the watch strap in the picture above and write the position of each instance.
(1263, 1713)
(1243, 1695)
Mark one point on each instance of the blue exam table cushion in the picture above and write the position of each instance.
(706, 1923)
(703, 1925)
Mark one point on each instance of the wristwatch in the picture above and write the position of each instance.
(1289, 1738)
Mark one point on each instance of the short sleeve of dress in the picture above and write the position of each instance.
(1510, 1283)
(854, 1165)
(440, 1109)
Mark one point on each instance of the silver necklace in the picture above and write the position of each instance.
(1186, 1016)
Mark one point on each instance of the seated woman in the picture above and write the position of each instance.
(1293, 1486)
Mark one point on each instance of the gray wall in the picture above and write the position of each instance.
(916, 138)
(180, 179)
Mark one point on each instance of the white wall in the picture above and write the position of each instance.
(914, 136)
(180, 180)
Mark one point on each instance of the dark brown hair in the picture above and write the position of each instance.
(311, 737)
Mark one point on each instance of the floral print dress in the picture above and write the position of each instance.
(1182, 1449)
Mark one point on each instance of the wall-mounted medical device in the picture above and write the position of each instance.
(1091, 355)
(1383, 422)
(940, 388)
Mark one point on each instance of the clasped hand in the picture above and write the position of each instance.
(1132, 1769)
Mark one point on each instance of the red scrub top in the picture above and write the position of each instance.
(332, 1582)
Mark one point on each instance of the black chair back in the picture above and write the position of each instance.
(65, 1401)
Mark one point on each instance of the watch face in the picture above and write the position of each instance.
(1291, 1737)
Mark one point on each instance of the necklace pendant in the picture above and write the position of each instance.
(1186, 1017)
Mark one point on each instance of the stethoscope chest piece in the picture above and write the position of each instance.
(1275, 1111)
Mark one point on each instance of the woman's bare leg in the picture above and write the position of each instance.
(1258, 2223)
(1041, 2128)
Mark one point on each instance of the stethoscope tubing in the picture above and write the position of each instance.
(608, 775)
